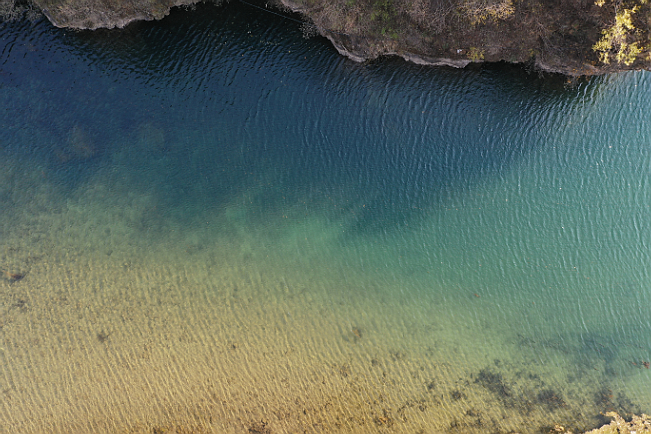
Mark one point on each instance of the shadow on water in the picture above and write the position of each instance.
(220, 99)
(424, 134)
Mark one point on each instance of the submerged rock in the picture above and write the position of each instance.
(637, 425)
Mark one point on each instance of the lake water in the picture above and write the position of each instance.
(222, 226)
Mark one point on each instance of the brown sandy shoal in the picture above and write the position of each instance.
(135, 346)
(109, 332)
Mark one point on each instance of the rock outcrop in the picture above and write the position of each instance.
(637, 425)
(95, 14)
(571, 37)
(560, 36)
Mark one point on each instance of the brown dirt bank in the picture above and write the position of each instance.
(95, 14)
(571, 37)
(555, 36)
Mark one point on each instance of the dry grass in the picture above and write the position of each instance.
(430, 14)
(480, 11)
(11, 10)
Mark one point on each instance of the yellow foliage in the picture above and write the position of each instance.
(628, 54)
(475, 54)
(615, 39)
(600, 3)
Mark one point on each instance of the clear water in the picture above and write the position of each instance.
(225, 227)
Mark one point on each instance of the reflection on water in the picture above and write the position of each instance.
(225, 227)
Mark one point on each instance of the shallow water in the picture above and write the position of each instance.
(225, 227)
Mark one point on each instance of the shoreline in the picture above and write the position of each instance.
(563, 42)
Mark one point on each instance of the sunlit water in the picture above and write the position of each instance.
(222, 226)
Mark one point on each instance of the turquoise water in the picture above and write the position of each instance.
(226, 227)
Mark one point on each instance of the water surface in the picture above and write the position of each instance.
(226, 227)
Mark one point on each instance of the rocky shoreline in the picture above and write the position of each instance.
(571, 37)
(553, 36)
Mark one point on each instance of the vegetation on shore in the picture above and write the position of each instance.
(622, 40)
(574, 37)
